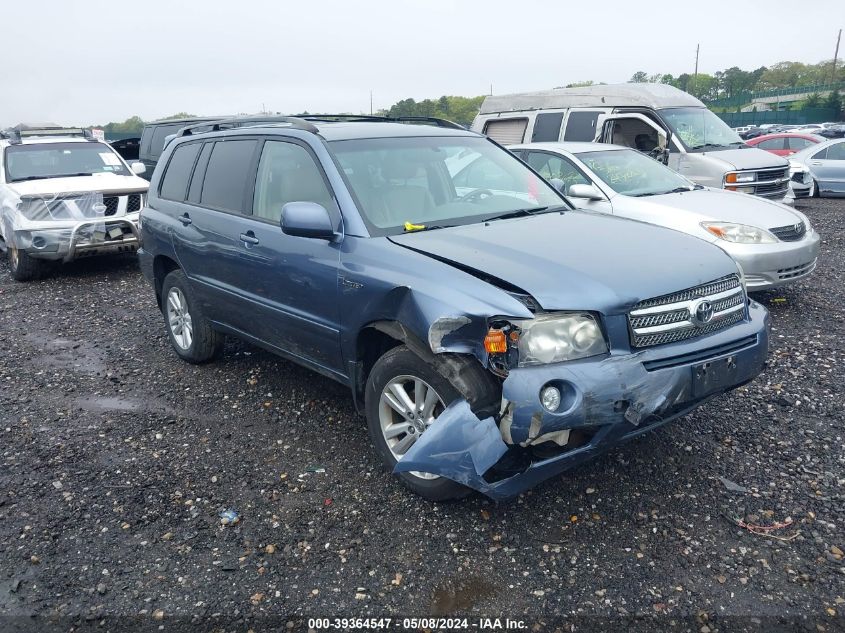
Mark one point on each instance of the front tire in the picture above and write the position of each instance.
(189, 331)
(404, 396)
(23, 267)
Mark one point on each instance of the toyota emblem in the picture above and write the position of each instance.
(702, 312)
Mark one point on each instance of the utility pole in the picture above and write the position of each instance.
(835, 55)
(697, 46)
(491, 88)
(371, 103)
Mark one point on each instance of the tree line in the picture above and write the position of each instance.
(734, 82)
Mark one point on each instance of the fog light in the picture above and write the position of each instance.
(550, 397)
(39, 242)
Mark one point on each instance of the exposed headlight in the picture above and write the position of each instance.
(553, 338)
(739, 233)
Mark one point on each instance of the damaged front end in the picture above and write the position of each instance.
(63, 227)
(564, 403)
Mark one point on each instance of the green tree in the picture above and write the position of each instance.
(638, 77)
(813, 101)
(580, 84)
(834, 102)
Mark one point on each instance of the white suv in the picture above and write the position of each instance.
(65, 195)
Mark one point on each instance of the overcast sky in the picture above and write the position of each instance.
(91, 61)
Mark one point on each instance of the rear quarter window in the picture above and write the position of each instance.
(174, 184)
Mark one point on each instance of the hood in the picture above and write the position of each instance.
(749, 158)
(97, 183)
(577, 260)
(685, 210)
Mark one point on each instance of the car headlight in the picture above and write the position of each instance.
(739, 233)
(557, 337)
(734, 178)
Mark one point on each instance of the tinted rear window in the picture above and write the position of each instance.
(159, 134)
(228, 174)
(581, 126)
(547, 127)
(175, 181)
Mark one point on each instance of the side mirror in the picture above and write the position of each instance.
(307, 219)
(558, 184)
(585, 191)
(138, 168)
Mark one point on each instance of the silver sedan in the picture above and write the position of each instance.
(773, 243)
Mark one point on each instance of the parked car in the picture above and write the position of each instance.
(752, 133)
(833, 131)
(773, 244)
(784, 144)
(153, 138)
(826, 162)
(801, 183)
(492, 335)
(128, 148)
(648, 117)
(64, 195)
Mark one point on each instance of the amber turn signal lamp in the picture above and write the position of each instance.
(495, 342)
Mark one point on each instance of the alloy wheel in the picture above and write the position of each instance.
(179, 319)
(408, 406)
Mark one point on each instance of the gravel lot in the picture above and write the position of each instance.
(117, 459)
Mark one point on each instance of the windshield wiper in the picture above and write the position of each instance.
(82, 173)
(520, 213)
(703, 145)
(30, 178)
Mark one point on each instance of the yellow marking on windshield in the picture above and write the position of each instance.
(414, 227)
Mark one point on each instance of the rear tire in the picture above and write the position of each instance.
(401, 370)
(23, 267)
(816, 193)
(189, 331)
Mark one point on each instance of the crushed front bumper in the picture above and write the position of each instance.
(66, 241)
(770, 265)
(605, 401)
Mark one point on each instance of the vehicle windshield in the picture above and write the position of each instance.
(631, 173)
(56, 160)
(700, 129)
(410, 183)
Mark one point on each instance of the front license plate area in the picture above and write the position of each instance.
(713, 376)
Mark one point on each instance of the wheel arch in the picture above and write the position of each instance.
(162, 266)
(465, 371)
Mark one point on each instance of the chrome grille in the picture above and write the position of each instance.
(791, 233)
(111, 205)
(671, 318)
(133, 203)
(772, 174)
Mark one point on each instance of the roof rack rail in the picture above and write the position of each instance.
(245, 121)
(16, 135)
(430, 120)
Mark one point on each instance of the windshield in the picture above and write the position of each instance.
(55, 160)
(634, 174)
(700, 129)
(431, 182)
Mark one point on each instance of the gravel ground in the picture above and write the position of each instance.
(117, 459)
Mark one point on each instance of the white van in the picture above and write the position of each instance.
(654, 118)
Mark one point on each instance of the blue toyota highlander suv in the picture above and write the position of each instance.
(491, 334)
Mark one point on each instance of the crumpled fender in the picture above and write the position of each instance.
(459, 447)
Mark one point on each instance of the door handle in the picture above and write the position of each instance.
(815, 162)
(248, 238)
(185, 219)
